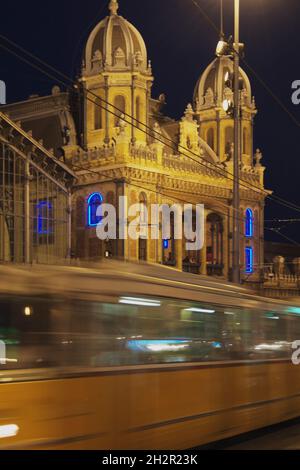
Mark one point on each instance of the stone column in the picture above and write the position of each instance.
(178, 254)
(203, 258)
(133, 111)
(27, 241)
(159, 242)
(69, 216)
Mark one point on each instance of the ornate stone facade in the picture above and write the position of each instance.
(116, 139)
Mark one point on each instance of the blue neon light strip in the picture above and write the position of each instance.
(249, 223)
(94, 201)
(249, 260)
(42, 217)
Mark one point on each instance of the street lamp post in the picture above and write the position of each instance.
(237, 149)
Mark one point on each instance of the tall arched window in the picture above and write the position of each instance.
(98, 114)
(249, 223)
(138, 111)
(210, 139)
(45, 218)
(44, 222)
(249, 264)
(119, 107)
(94, 202)
(143, 208)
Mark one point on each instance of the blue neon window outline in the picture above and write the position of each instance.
(249, 222)
(249, 259)
(44, 211)
(94, 202)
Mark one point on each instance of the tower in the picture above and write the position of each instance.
(116, 80)
(216, 126)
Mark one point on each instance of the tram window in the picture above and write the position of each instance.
(25, 328)
(274, 335)
(133, 330)
(239, 328)
(293, 328)
(143, 330)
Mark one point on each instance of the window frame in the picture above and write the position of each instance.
(249, 223)
(249, 264)
(92, 219)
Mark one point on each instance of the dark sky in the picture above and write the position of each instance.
(180, 43)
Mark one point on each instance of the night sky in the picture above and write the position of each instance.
(180, 43)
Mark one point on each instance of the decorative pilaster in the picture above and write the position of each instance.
(106, 140)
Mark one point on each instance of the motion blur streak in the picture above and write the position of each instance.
(124, 356)
(8, 430)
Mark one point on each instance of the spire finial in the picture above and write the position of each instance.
(113, 7)
(221, 20)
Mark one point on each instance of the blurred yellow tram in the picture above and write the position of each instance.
(126, 356)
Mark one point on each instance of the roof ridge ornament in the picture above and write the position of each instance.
(113, 7)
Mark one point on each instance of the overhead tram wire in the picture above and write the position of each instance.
(262, 82)
(217, 169)
(99, 172)
(155, 191)
(163, 139)
(283, 235)
(283, 221)
(82, 35)
(257, 76)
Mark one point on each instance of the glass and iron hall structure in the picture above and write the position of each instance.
(34, 199)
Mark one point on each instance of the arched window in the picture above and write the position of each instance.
(143, 208)
(119, 107)
(94, 202)
(98, 114)
(138, 112)
(215, 244)
(45, 218)
(249, 222)
(144, 225)
(210, 138)
(249, 266)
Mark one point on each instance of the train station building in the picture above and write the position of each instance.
(114, 136)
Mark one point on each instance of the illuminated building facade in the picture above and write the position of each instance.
(117, 140)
